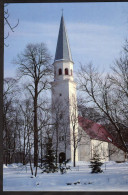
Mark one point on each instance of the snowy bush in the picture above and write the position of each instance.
(63, 166)
(96, 164)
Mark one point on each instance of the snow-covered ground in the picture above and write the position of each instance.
(113, 178)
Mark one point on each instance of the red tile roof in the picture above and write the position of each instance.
(95, 130)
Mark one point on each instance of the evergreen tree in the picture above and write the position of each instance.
(49, 165)
(96, 164)
(63, 166)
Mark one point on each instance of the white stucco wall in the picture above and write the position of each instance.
(63, 64)
(101, 148)
(64, 93)
(84, 146)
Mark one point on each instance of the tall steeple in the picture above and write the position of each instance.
(64, 99)
(63, 49)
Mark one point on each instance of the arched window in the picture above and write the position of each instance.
(60, 71)
(71, 72)
(66, 71)
(62, 157)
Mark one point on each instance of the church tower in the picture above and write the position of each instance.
(64, 102)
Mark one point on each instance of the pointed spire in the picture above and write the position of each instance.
(63, 49)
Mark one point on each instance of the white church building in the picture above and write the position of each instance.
(75, 135)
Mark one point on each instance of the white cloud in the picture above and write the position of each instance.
(89, 42)
(85, 36)
(35, 29)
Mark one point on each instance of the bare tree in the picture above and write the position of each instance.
(57, 115)
(65, 134)
(9, 118)
(103, 93)
(119, 81)
(34, 64)
(88, 112)
(76, 133)
(7, 22)
(27, 128)
(44, 128)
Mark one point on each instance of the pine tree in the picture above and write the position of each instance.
(63, 166)
(49, 165)
(96, 164)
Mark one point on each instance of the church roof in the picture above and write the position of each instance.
(63, 49)
(97, 131)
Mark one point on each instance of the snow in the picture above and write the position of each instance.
(17, 177)
(110, 139)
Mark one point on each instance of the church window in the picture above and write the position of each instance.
(66, 71)
(60, 71)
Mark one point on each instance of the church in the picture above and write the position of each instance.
(75, 137)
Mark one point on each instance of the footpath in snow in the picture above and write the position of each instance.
(114, 178)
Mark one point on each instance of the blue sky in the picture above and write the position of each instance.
(96, 31)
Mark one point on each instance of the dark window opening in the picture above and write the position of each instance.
(62, 157)
(60, 71)
(66, 71)
(60, 94)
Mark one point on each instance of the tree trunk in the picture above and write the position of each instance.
(41, 149)
(24, 149)
(36, 172)
(74, 158)
(30, 160)
(56, 143)
(35, 129)
(56, 155)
